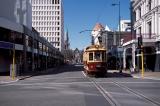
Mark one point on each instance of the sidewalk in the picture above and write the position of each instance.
(147, 75)
(7, 79)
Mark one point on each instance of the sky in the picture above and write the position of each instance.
(80, 15)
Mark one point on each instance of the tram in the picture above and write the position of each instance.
(94, 60)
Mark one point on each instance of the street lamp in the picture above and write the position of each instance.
(119, 5)
(119, 44)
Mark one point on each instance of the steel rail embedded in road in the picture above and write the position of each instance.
(138, 94)
(105, 94)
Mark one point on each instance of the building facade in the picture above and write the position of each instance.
(48, 20)
(125, 25)
(145, 20)
(96, 33)
(22, 49)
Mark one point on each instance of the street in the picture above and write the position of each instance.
(69, 86)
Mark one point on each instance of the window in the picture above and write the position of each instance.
(58, 33)
(90, 56)
(58, 39)
(149, 4)
(149, 29)
(139, 9)
(97, 56)
(139, 29)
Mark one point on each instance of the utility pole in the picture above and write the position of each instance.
(119, 44)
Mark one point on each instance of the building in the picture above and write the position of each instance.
(48, 20)
(77, 56)
(125, 25)
(22, 49)
(67, 43)
(68, 53)
(96, 33)
(145, 24)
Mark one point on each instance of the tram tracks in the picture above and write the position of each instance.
(138, 94)
(104, 93)
(113, 102)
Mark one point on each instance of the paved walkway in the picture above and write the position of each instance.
(7, 79)
(148, 75)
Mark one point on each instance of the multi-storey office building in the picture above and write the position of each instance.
(145, 17)
(20, 44)
(47, 19)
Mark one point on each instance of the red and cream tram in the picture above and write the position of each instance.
(94, 59)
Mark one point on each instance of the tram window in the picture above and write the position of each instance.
(103, 56)
(97, 56)
(90, 56)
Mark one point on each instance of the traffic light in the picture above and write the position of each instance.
(140, 42)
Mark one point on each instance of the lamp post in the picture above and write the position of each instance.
(119, 44)
(119, 12)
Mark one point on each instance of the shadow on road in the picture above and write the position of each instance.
(61, 69)
(117, 75)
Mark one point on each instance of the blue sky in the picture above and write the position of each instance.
(82, 15)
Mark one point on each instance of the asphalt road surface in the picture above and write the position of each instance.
(69, 86)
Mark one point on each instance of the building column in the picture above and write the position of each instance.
(124, 58)
(156, 23)
(25, 65)
(153, 24)
(33, 67)
(157, 65)
(38, 57)
(133, 56)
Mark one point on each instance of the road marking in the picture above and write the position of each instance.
(84, 74)
(53, 78)
(35, 84)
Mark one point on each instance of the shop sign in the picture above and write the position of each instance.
(6, 45)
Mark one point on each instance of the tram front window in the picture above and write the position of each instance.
(97, 56)
(103, 56)
(90, 56)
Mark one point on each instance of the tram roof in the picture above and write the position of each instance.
(95, 47)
